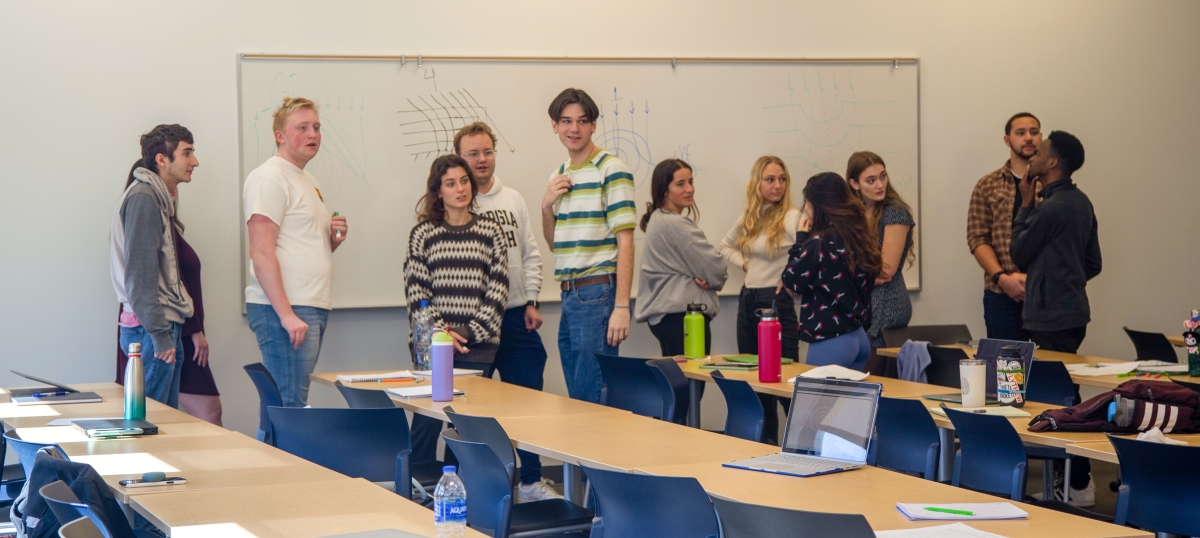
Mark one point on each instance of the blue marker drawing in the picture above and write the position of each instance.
(627, 139)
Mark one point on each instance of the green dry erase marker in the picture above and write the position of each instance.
(949, 511)
(338, 233)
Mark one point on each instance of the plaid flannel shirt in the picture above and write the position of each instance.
(990, 217)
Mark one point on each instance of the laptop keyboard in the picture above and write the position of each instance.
(816, 464)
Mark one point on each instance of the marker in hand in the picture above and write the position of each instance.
(337, 234)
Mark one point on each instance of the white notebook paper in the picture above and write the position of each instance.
(363, 378)
(917, 511)
(423, 391)
(834, 371)
(953, 530)
(999, 410)
(1096, 370)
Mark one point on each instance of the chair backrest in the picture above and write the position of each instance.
(629, 385)
(741, 520)
(489, 498)
(1049, 382)
(268, 395)
(673, 386)
(27, 451)
(629, 504)
(1152, 346)
(1158, 486)
(374, 444)
(991, 457)
(938, 335)
(488, 431)
(67, 507)
(744, 414)
(80, 528)
(907, 437)
(365, 398)
(943, 366)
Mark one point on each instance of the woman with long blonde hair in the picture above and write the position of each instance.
(758, 244)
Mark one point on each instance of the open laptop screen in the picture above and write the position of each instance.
(832, 418)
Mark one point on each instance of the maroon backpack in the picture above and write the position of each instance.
(1141, 405)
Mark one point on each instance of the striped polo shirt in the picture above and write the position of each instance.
(599, 204)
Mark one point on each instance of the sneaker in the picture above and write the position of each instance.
(537, 491)
(1082, 498)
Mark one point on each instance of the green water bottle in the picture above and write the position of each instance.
(693, 331)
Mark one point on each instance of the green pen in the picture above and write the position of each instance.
(338, 233)
(949, 511)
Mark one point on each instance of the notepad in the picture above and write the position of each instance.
(57, 399)
(1096, 370)
(458, 372)
(363, 378)
(834, 371)
(1162, 367)
(423, 391)
(953, 530)
(1000, 410)
(747, 358)
(917, 511)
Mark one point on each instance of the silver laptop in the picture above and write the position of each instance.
(829, 429)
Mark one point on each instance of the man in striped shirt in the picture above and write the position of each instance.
(588, 216)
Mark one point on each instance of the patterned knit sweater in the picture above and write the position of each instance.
(463, 272)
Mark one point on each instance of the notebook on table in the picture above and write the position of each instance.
(424, 391)
(107, 428)
(829, 428)
(51, 394)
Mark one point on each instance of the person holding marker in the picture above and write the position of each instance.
(292, 240)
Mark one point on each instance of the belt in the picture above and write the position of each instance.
(568, 285)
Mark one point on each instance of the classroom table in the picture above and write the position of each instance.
(1104, 450)
(298, 510)
(22, 416)
(874, 492)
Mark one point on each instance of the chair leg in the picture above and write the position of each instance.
(1047, 480)
(1067, 480)
(946, 459)
(573, 483)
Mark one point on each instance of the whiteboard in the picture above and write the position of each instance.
(384, 123)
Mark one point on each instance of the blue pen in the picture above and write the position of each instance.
(50, 394)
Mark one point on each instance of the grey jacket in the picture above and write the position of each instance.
(143, 261)
(675, 251)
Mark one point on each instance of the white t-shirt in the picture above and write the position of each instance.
(506, 206)
(291, 198)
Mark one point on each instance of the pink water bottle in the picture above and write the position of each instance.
(442, 357)
(770, 347)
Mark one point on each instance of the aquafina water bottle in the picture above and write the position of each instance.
(421, 332)
(450, 505)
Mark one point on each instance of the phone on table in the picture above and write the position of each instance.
(139, 483)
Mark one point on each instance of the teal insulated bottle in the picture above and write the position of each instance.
(693, 331)
(135, 384)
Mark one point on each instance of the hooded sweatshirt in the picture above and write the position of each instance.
(143, 263)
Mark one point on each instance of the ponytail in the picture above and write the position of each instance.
(646, 218)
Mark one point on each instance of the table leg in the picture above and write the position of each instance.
(945, 454)
(572, 483)
(694, 394)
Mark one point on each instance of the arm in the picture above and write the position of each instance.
(1032, 229)
(418, 280)
(701, 260)
(1092, 262)
(894, 237)
(337, 224)
(263, 234)
(803, 264)
(531, 264)
(559, 185)
(979, 231)
(618, 322)
(729, 249)
(143, 235)
(485, 324)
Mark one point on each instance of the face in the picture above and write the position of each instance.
(1024, 137)
(1042, 160)
(872, 183)
(301, 134)
(680, 191)
(479, 152)
(574, 128)
(455, 191)
(773, 184)
(179, 168)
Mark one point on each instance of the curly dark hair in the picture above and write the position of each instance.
(837, 211)
(430, 206)
(1068, 149)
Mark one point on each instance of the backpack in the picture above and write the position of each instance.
(1140, 406)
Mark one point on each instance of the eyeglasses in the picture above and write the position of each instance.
(475, 154)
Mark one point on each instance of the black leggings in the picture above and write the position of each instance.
(752, 299)
(669, 333)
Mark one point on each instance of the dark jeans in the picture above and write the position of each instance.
(752, 299)
(669, 333)
(1068, 341)
(521, 360)
(426, 430)
(1002, 315)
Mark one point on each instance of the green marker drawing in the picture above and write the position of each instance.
(337, 234)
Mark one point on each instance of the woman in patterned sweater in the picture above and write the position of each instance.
(832, 267)
(458, 261)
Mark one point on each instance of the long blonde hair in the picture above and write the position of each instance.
(755, 221)
(859, 162)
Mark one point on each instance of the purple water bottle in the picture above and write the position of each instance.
(442, 353)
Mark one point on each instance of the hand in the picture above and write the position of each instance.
(201, 343)
(296, 329)
(557, 187)
(1013, 285)
(779, 287)
(618, 326)
(167, 356)
(1028, 190)
(703, 285)
(533, 318)
(745, 267)
(337, 224)
(805, 225)
(459, 342)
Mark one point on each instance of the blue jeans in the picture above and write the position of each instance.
(290, 367)
(582, 333)
(162, 379)
(1002, 315)
(521, 361)
(850, 350)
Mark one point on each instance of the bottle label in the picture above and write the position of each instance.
(450, 511)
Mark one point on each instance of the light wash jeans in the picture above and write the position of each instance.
(162, 379)
(582, 333)
(290, 367)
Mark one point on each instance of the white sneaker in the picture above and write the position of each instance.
(1082, 498)
(537, 491)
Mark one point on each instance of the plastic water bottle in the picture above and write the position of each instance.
(450, 505)
(693, 331)
(421, 330)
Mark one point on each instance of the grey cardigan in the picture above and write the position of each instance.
(675, 251)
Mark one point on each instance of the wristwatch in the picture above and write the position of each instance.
(536, 305)
(996, 276)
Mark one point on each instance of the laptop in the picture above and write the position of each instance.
(53, 393)
(988, 349)
(829, 429)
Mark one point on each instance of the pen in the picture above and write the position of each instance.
(949, 511)
(339, 232)
(50, 394)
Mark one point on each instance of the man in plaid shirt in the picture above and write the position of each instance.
(994, 204)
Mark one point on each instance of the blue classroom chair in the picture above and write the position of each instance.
(907, 438)
(673, 387)
(268, 395)
(27, 451)
(488, 431)
(1049, 382)
(744, 416)
(68, 508)
(741, 520)
(629, 504)
(1151, 346)
(426, 473)
(991, 456)
(1160, 486)
(630, 385)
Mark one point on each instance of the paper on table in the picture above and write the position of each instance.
(457, 372)
(1163, 367)
(1091, 370)
(953, 530)
(1000, 410)
(424, 391)
(1001, 510)
(362, 378)
(834, 371)
(50, 435)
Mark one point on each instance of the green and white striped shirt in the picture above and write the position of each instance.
(599, 204)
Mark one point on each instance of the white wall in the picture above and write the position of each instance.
(79, 81)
